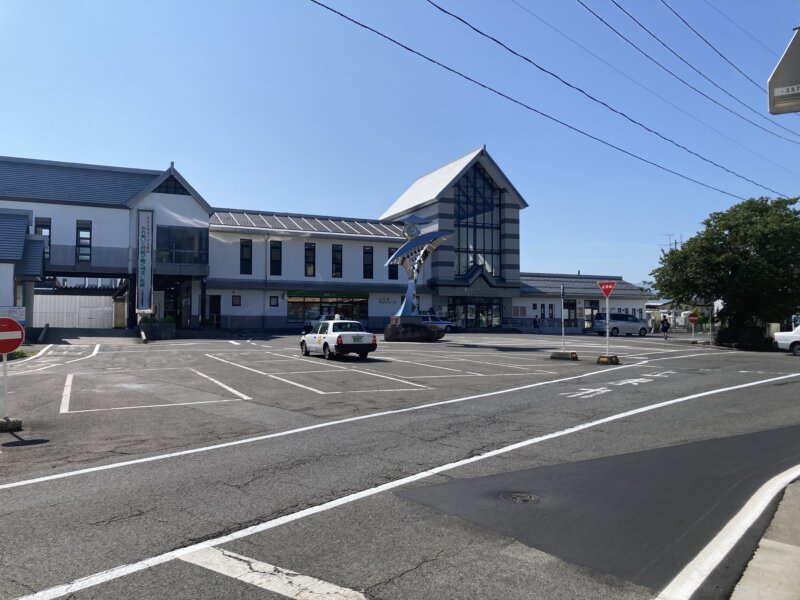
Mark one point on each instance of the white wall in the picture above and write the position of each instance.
(73, 311)
(6, 284)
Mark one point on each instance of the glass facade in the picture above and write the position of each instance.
(477, 222)
(182, 245)
(303, 308)
(475, 311)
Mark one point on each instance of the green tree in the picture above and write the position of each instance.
(747, 256)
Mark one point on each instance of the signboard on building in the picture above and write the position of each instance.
(144, 262)
(784, 83)
(14, 312)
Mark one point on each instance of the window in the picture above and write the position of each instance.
(392, 268)
(246, 257)
(276, 257)
(477, 222)
(236, 300)
(551, 313)
(323, 328)
(541, 312)
(311, 259)
(83, 241)
(182, 245)
(43, 228)
(519, 311)
(273, 301)
(368, 262)
(336, 261)
(171, 186)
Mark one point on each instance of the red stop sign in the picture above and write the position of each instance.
(693, 318)
(11, 335)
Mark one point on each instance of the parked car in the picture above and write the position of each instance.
(336, 337)
(438, 322)
(788, 340)
(620, 323)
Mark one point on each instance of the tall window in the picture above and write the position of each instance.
(43, 228)
(477, 222)
(336, 260)
(392, 268)
(83, 241)
(311, 259)
(368, 262)
(275, 257)
(246, 257)
(182, 245)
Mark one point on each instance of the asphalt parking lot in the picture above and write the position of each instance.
(338, 470)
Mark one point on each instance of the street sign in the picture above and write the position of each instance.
(11, 335)
(693, 318)
(784, 83)
(606, 287)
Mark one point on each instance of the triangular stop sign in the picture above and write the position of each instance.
(606, 287)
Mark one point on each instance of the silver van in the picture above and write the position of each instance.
(620, 323)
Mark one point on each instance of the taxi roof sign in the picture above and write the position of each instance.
(784, 83)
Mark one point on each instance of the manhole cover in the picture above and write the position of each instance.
(520, 497)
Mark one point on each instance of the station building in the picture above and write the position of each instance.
(178, 258)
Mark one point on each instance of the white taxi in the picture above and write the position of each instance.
(337, 336)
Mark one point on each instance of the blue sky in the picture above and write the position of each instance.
(281, 105)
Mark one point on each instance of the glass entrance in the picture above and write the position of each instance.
(475, 312)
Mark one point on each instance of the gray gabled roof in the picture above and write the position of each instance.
(581, 286)
(42, 180)
(13, 229)
(258, 221)
(428, 188)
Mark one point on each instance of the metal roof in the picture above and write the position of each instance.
(28, 179)
(13, 229)
(299, 223)
(549, 284)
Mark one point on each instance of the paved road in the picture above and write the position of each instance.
(472, 468)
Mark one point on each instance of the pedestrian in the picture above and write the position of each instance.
(664, 326)
(536, 324)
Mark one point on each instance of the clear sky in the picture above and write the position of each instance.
(280, 105)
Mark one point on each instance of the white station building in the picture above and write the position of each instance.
(179, 259)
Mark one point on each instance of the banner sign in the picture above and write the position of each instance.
(144, 262)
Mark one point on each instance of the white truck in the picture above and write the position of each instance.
(337, 337)
(788, 340)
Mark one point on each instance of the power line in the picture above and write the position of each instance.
(597, 100)
(683, 81)
(703, 75)
(520, 103)
(651, 91)
(710, 45)
(743, 30)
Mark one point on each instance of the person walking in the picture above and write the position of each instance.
(536, 324)
(664, 326)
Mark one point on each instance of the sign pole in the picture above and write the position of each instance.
(562, 317)
(5, 385)
(608, 320)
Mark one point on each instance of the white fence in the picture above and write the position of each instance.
(93, 312)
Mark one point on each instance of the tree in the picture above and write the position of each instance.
(747, 256)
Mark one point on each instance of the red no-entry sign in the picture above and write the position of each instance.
(11, 335)
(693, 318)
(606, 287)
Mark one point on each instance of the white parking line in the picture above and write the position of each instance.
(94, 353)
(419, 364)
(234, 343)
(222, 385)
(124, 570)
(37, 355)
(233, 364)
(167, 405)
(66, 394)
(269, 577)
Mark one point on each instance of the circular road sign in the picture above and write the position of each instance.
(693, 318)
(11, 335)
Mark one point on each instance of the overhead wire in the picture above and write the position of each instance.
(651, 91)
(597, 100)
(520, 103)
(710, 45)
(699, 72)
(743, 30)
(683, 81)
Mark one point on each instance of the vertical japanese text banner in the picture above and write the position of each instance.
(144, 262)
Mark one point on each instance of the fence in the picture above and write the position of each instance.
(95, 312)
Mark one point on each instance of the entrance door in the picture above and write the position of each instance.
(214, 309)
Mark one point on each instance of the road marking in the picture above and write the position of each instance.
(66, 394)
(399, 380)
(38, 354)
(124, 570)
(480, 362)
(300, 385)
(695, 573)
(234, 343)
(222, 385)
(94, 353)
(269, 577)
(419, 364)
(169, 404)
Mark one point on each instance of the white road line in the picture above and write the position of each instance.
(234, 343)
(300, 385)
(695, 573)
(124, 570)
(419, 364)
(398, 379)
(486, 375)
(37, 355)
(66, 394)
(269, 577)
(222, 385)
(169, 404)
(94, 353)
(481, 362)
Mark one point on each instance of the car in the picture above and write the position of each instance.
(438, 322)
(337, 337)
(788, 340)
(620, 323)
